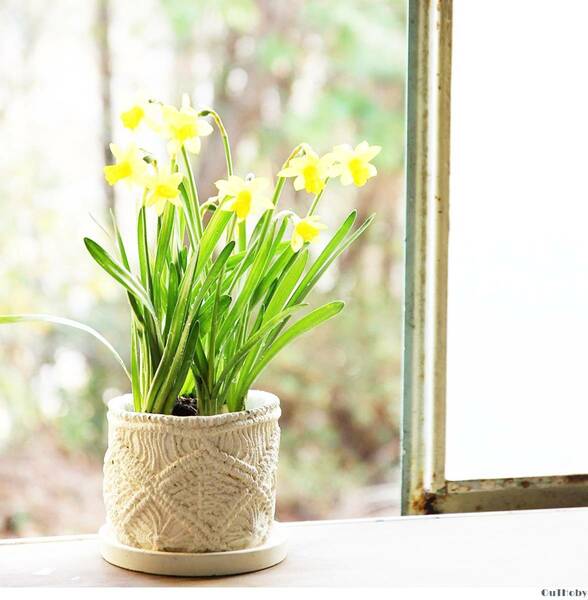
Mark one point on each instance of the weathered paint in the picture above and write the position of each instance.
(424, 487)
(415, 248)
(521, 493)
(427, 226)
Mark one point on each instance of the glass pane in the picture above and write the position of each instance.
(518, 284)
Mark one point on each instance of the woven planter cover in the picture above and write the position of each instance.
(192, 484)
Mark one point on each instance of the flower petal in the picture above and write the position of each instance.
(288, 172)
(193, 145)
(116, 151)
(343, 151)
(346, 178)
(173, 147)
(371, 152)
(258, 184)
(361, 147)
(228, 205)
(299, 183)
(296, 242)
(204, 127)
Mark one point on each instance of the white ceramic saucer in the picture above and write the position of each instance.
(194, 565)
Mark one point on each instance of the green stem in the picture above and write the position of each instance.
(316, 200)
(281, 180)
(227, 148)
(242, 236)
(212, 339)
(224, 137)
(193, 193)
(231, 229)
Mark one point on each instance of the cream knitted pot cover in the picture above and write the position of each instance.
(192, 484)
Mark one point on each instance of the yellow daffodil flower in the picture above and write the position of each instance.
(245, 196)
(183, 127)
(133, 117)
(129, 165)
(305, 230)
(162, 187)
(354, 164)
(310, 171)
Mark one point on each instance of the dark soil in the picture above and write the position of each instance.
(185, 406)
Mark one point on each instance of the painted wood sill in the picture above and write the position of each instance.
(523, 548)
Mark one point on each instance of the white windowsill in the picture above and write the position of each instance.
(522, 548)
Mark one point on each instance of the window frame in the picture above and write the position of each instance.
(425, 489)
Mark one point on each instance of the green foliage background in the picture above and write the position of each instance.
(279, 72)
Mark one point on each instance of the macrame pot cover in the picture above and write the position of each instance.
(192, 484)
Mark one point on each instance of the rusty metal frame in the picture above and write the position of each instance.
(425, 489)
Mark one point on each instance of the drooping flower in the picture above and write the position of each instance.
(310, 171)
(245, 196)
(129, 165)
(354, 164)
(183, 127)
(305, 230)
(162, 187)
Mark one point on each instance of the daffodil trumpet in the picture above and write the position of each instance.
(209, 313)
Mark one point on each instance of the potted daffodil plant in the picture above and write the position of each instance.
(219, 289)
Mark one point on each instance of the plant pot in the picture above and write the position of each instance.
(192, 484)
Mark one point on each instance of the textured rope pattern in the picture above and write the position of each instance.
(192, 484)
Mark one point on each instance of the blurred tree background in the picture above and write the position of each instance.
(279, 72)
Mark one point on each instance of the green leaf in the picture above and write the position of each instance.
(119, 241)
(333, 249)
(211, 236)
(135, 369)
(175, 375)
(171, 298)
(255, 274)
(143, 247)
(286, 284)
(308, 322)
(189, 211)
(200, 360)
(119, 273)
(163, 255)
(205, 316)
(283, 260)
(182, 322)
(237, 360)
(303, 288)
(173, 339)
(348, 241)
(218, 266)
(41, 318)
(235, 260)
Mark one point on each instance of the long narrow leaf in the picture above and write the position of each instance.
(41, 318)
(324, 256)
(278, 266)
(318, 269)
(240, 356)
(143, 247)
(286, 285)
(255, 274)
(174, 336)
(135, 369)
(211, 236)
(173, 377)
(119, 273)
(310, 321)
(163, 257)
(189, 212)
